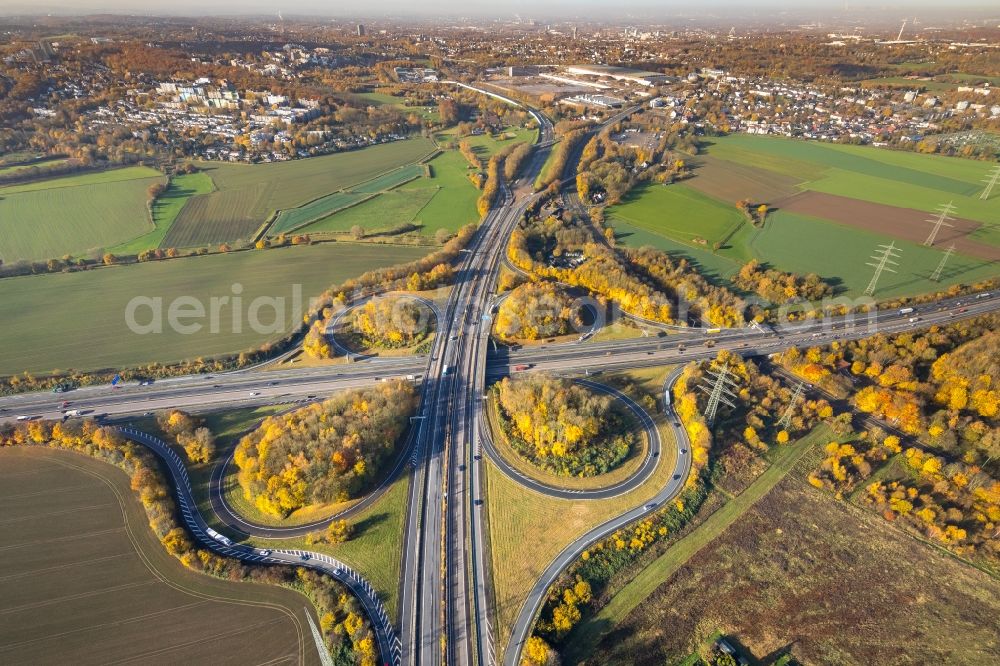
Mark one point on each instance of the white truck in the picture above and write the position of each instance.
(74, 412)
(905, 311)
(218, 537)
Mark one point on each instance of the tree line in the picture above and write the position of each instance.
(344, 625)
(779, 286)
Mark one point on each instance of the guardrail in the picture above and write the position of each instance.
(389, 643)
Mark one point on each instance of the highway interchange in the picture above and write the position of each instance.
(446, 601)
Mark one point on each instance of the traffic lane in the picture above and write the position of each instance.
(682, 470)
(195, 399)
(623, 355)
(295, 382)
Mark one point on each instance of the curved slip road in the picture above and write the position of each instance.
(331, 328)
(646, 469)
(385, 635)
(234, 521)
(539, 591)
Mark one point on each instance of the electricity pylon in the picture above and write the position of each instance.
(936, 275)
(942, 220)
(992, 178)
(786, 418)
(721, 392)
(885, 258)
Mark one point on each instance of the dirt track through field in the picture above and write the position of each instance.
(904, 223)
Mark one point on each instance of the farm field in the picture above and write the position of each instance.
(165, 210)
(445, 199)
(637, 590)
(678, 212)
(248, 194)
(831, 206)
(839, 254)
(85, 580)
(893, 178)
(929, 84)
(800, 566)
(294, 219)
(83, 179)
(76, 215)
(384, 211)
(55, 321)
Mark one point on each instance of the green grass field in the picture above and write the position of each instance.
(485, 145)
(248, 194)
(86, 581)
(454, 204)
(77, 320)
(80, 180)
(166, 209)
(74, 215)
(383, 211)
(327, 208)
(893, 178)
(294, 219)
(444, 200)
(839, 254)
(383, 99)
(931, 85)
(670, 218)
(679, 213)
(376, 550)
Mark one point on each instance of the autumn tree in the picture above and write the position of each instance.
(562, 426)
(323, 452)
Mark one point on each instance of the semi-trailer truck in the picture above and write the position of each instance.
(218, 537)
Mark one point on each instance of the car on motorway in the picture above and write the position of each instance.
(65, 404)
(677, 477)
(652, 505)
(305, 557)
(22, 417)
(264, 551)
(254, 393)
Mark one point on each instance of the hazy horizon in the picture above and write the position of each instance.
(568, 9)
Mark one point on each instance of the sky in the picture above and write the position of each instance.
(526, 8)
